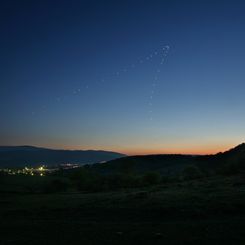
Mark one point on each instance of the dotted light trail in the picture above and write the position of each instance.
(161, 53)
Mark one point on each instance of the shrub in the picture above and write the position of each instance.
(191, 172)
(151, 178)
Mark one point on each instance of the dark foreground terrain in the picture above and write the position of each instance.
(203, 211)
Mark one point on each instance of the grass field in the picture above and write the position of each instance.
(205, 211)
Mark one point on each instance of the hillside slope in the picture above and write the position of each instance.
(171, 164)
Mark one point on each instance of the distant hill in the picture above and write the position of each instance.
(17, 156)
(171, 164)
(166, 164)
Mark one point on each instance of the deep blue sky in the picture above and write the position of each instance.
(72, 75)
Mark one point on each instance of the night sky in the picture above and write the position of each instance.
(136, 77)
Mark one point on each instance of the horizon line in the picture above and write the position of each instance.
(129, 152)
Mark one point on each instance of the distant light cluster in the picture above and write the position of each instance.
(38, 171)
(41, 171)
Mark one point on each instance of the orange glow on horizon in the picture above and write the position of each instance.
(175, 151)
(181, 149)
(190, 150)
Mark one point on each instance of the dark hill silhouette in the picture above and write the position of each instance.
(238, 151)
(21, 148)
(17, 156)
(234, 155)
(172, 164)
(165, 164)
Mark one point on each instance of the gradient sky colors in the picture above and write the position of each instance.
(82, 75)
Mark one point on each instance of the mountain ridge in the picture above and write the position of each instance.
(17, 156)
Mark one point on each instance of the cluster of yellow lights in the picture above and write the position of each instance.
(27, 171)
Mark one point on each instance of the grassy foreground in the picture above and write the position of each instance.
(205, 211)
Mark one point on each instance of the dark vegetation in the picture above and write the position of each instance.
(200, 200)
